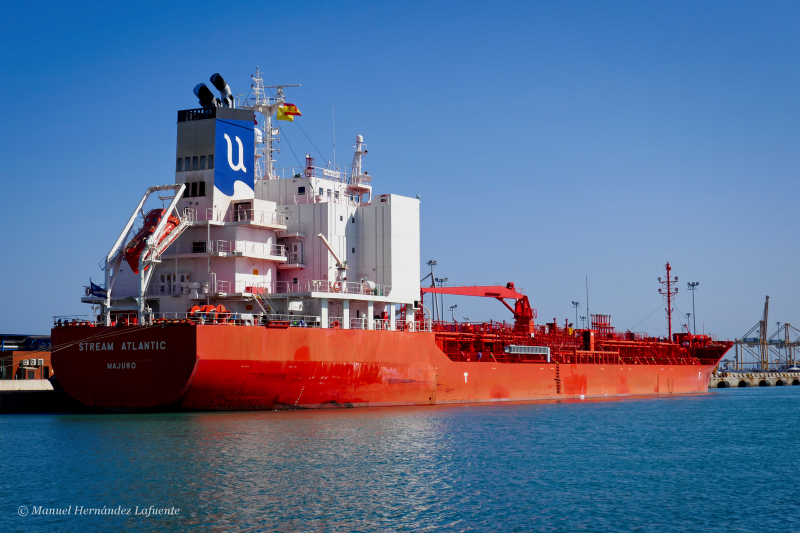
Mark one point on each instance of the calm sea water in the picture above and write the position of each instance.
(723, 461)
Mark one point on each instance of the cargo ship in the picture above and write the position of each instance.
(253, 286)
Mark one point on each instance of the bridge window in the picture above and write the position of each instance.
(179, 165)
(211, 161)
(187, 164)
(202, 162)
(194, 163)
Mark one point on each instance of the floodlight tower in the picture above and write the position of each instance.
(693, 287)
(441, 282)
(432, 263)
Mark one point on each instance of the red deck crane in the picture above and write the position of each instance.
(523, 313)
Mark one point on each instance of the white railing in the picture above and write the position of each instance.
(274, 287)
(296, 258)
(339, 176)
(221, 247)
(73, 319)
(295, 321)
(235, 215)
(381, 324)
(358, 323)
(240, 319)
(261, 249)
(259, 217)
(333, 287)
(348, 287)
(212, 317)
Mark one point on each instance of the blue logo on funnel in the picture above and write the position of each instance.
(233, 147)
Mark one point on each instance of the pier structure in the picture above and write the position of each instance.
(758, 351)
(725, 380)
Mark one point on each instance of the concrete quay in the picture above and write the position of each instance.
(724, 380)
(37, 396)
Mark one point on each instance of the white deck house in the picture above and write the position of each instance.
(311, 245)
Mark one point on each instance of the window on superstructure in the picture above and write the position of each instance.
(211, 161)
(294, 281)
(201, 189)
(194, 163)
(202, 162)
(194, 188)
(301, 190)
(187, 164)
(179, 165)
(321, 191)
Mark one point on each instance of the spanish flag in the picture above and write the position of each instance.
(291, 109)
(282, 115)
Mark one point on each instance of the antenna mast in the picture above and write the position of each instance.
(267, 106)
(669, 292)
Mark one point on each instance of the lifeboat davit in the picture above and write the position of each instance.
(133, 250)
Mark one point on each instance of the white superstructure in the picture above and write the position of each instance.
(310, 244)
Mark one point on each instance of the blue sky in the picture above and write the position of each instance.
(548, 140)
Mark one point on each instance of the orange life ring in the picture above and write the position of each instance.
(337, 286)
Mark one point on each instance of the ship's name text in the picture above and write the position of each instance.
(108, 346)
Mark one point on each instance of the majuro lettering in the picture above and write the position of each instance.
(115, 366)
(107, 346)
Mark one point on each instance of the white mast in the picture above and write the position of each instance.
(267, 106)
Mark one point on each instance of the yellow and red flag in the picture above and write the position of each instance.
(291, 109)
(283, 116)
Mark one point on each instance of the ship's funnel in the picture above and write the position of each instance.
(224, 90)
(206, 97)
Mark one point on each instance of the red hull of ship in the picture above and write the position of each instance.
(249, 368)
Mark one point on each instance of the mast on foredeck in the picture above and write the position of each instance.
(669, 292)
